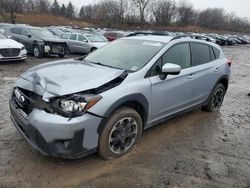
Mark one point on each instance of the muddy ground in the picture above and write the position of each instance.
(198, 149)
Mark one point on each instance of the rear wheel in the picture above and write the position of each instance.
(121, 132)
(93, 49)
(215, 99)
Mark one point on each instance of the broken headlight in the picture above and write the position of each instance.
(75, 105)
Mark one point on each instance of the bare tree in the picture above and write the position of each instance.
(186, 13)
(141, 6)
(163, 11)
(214, 18)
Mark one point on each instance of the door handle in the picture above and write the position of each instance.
(191, 76)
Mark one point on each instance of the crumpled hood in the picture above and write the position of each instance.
(69, 76)
(56, 39)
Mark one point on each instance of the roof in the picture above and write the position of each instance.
(156, 38)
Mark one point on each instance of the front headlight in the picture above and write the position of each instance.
(23, 48)
(75, 105)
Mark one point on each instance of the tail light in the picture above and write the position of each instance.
(229, 62)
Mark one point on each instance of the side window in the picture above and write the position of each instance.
(73, 37)
(179, 54)
(201, 54)
(119, 35)
(25, 32)
(212, 54)
(81, 38)
(16, 30)
(112, 35)
(65, 36)
(216, 52)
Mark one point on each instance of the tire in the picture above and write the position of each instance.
(216, 99)
(37, 51)
(115, 141)
(61, 55)
(93, 49)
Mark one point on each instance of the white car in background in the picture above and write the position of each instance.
(11, 50)
(83, 43)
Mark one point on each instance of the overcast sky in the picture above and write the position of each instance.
(240, 7)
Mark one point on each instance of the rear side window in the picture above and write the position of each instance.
(201, 53)
(65, 36)
(16, 30)
(212, 54)
(216, 52)
(179, 54)
(73, 37)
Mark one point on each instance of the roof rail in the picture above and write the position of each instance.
(146, 33)
(194, 36)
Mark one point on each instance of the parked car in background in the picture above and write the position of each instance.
(65, 29)
(113, 35)
(38, 41)
(55, 31)
(11, 50)
(83, 43)
(104, 101)
(5, 28)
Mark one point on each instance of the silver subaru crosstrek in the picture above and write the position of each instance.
(103, 102)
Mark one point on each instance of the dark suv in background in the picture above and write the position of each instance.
(38, 41)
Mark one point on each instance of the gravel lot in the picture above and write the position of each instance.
(198, 149)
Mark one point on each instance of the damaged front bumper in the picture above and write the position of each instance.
(54, 135)
(52, 48)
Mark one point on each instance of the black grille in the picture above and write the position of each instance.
(10, 52)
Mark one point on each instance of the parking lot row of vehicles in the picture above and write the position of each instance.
(59, 40)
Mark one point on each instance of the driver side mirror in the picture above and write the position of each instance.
(29, 35)
(170, 68)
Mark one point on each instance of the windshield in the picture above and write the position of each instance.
(2, 36)
(40, 32)
(96, 38)
(127, 54)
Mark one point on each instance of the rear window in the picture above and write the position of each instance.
(216, 52)
(201, 54)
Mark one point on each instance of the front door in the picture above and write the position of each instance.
(175, 92)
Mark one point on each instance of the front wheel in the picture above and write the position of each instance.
(121, 132)
(37, 51)
(215, 99)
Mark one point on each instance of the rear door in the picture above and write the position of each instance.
(175, 92)
(73, 43)
(205, 71)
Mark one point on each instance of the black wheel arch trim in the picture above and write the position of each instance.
(222, 78)
(218, 81)
(139, 98)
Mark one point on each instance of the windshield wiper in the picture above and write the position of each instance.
(81, 58)
(104, 65)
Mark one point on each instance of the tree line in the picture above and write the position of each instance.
(138, 12)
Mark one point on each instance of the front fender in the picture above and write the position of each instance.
(138, 98)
